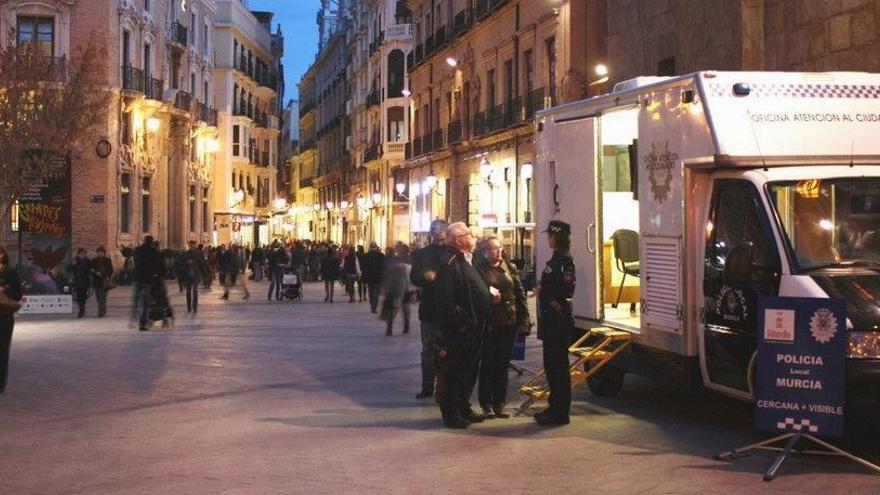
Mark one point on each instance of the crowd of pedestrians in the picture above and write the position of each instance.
(472, 304)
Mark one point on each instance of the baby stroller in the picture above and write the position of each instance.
(291, 285)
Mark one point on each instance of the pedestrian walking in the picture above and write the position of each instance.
(258, 256)
(425, 264)
(81, 268)
(10, 303)
(371, 274)
(160, 305)
(463, 303)
(330, 273)
(351, 271)
(508, 317)
(298, 260)
(361, 285)
(148, 266)
(397, 289)
(196, 270)
(557, 323)
(230, 266)
(180, 269)
(278, 259)
(102, 278)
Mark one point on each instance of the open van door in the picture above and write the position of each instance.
(575, 191)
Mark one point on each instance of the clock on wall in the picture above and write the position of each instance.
(103, 148)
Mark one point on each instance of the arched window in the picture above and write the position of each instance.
(396, 71)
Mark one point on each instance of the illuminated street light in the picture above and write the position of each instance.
(212, 145)
(153, 124)
(601, 70)
(316, 207)
(377, 198)
(400, 187)
(343, 204)
(361, 201)
(406, 92)
(431, 181)
(526, 171)
(452, 62)
(329, 205)
(280, 203)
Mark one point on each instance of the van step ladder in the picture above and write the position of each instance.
(608, 344)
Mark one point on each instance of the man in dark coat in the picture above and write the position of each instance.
(371, 272)
(148, 265)
(102, 274)
(278, 259)
(425, 264)
(463, 302)
(81, 269)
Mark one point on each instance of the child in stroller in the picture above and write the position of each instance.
(291, 285)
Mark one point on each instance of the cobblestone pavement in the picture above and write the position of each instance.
(257, 397)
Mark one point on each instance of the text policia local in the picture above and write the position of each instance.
(799, 360)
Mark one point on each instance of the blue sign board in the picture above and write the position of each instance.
(801, 369)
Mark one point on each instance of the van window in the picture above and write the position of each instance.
(738, 218)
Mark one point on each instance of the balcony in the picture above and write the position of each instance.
(394, 148)
(306, 108)
(372, 152)
(429, 46)
(410, 61)
(417, 146)
(132, 79)
(376, 43)
(453, 132)
(268, 79)
(534, 102)
(178, 34)
(204, 113)
(153, 88)
(481, 9)
(440, 38)
(399, 32)
(408, 151)
(437, 140)
(464, 20)
(373, 98)
(262, 119)
(183, 101)
(420, 54)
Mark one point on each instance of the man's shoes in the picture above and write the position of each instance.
(144, 328)
(499, 411)
(488, 413)
(552, 420)
(545, 412)
(388, 333)
(456, 423)
(424, 394)
(373, 311)
(472, 416)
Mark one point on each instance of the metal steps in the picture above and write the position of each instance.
(608, 344)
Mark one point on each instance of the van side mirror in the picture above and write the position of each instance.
(739, 266)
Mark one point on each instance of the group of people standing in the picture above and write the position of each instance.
(473, 306)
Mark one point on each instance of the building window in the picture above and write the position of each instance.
(192, 29)
(125, 203)
(39, 30)
(396, 64)
(126, 48)
(192, 208)
(509, 82)
(146, 210)
(395, 124)
(192, 84)
(206, 224)
(551, 68)
(529, 67)
(236, 142)
(148, 60)
(147, 5)
(205, 93)
(666, 67)
(126, 128)
(490, 89)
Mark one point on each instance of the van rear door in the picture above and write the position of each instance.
(577, 178)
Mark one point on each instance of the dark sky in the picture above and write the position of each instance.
(297, 19)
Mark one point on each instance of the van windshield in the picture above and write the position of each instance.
(830, 223)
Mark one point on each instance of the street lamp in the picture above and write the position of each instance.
(329, 205)
(280, 203)
(212, 145)
(238, 196)
(343, 204)
(153, 124)
(377, 198)
(431, 180)
(316, 207)
(601, 71)
(451, 61)
(486, 170)
(361, 201)
(406, 92)
(400, 187)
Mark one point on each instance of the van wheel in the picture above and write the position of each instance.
(607, 382)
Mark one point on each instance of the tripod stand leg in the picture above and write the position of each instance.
(743, 451)
(843, 453)
(771, 472)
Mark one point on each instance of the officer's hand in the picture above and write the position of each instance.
(555, 305)
(535, 291)
(430, 275)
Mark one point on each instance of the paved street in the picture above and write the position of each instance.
(252, 397)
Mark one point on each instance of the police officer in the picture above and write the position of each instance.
(556, 325)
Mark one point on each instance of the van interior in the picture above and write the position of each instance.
(619, 258)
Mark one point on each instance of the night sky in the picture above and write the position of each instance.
(297, 19)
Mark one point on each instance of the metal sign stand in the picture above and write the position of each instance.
(793, 439)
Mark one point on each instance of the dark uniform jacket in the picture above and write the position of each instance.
(82, 270)
(462, 297)
(371, 266)
(428, 258)
(557, 288)
(102, 271)
(148, 264)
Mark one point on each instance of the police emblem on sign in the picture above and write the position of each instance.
(660, 164)
(823, 325)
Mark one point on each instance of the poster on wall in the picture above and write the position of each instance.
(45, 242)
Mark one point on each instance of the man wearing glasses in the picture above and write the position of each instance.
(463, 301)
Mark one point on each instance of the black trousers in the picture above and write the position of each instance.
(374, 289)
(101, 298)
(556, 336)
(81, 298)
(362, 289)
(494, 361)
(192, 295)
(6, 324)
(459, 373)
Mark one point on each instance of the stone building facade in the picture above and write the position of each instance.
(161, 126)
(247, 94)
